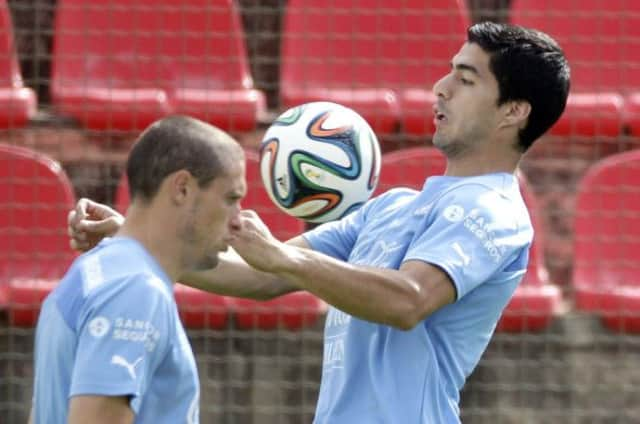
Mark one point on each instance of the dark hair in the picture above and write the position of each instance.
(528, 65)
(174, 143)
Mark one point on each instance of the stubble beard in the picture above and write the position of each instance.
(452, 149)
(189, 236)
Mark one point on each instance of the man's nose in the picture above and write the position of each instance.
(235, 224)
(441, 87)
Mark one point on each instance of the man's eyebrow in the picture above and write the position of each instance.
(465, 67)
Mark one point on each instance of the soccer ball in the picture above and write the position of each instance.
(319, 161)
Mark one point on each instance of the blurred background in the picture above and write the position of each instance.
(80, 79)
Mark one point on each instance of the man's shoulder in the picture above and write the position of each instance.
(91, 281)
(503, 183)
(492, 191)
(491, 198)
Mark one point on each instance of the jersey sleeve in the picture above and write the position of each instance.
(473, 233)
(123, 334)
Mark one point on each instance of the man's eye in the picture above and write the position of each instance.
(465, 81)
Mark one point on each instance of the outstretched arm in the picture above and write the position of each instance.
(90, 222)
(400, 298)
(234, 277)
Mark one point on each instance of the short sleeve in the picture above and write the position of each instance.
(473, 234)
(123, 333)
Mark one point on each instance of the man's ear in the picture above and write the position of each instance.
(179, 185)
(516, 113)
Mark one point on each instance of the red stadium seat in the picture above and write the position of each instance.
(35, 197)
(24, 298)
(121, 65)
(370, 56)
(602, 42)
(17, 102)
(431, 37)
(535, 301)
(606, 272)
(293, 311)
(199, 309)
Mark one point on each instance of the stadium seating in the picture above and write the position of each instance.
(17, 102)
(606, 272)
(602, 42)
(35, 197)
(536, 300)
(376, 58)
(199, 309)
(120, 65)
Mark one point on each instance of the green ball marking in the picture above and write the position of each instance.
(297, 159)
(290, 118)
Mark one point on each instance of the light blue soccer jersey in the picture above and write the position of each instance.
(111, 328)
(478, 230)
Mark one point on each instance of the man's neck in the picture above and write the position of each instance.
(483, 162)
(141, 225)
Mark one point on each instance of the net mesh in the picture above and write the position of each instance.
(79, 79)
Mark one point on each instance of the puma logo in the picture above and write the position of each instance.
(130, 367)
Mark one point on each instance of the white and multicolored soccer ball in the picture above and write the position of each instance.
(319, 161)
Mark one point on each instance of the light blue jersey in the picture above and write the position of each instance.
(478, 230)
(111, 328)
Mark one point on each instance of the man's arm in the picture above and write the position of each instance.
(100, 410)
(399, 298)
(234, 277)
(90, 222)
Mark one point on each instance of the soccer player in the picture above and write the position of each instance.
(110, 347)
(416, 280)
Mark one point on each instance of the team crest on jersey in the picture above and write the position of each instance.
(453, 213)
(99, 327)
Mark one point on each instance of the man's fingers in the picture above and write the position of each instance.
(75, 234)
(79, 245)
(87, 208)
(104, 226)
(98, 211)
(248, 213)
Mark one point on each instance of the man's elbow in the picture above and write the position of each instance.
(415, 311)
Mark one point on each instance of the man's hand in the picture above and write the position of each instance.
(255, 244)
(90, 222)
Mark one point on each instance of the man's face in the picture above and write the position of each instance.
(214, 217)
(466, 112)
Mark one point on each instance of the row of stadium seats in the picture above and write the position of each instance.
(121, 65)
(35, 196)
(382, 60)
